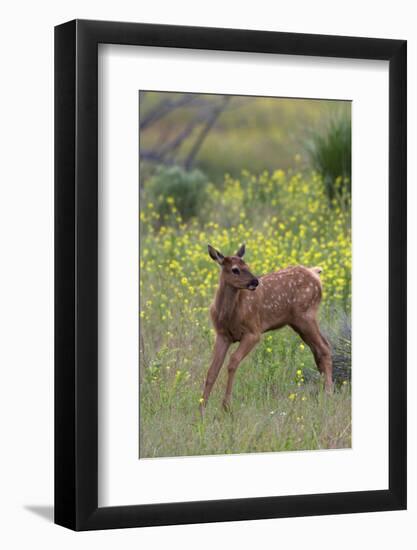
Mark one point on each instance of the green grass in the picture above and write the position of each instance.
(278, 403)
(320, 423)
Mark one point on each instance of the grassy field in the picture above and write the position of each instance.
(278, 402)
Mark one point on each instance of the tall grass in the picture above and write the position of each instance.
(265, 417)
(278, 400)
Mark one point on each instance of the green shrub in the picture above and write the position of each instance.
(330, 154)
(184, 189)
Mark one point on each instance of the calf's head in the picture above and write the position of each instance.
(235, 272)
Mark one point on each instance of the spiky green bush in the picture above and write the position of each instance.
(330, 153)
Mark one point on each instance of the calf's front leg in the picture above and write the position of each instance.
(220, 349)
(247, 343)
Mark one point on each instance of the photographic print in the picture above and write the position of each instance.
(203, 266)
(245, 274)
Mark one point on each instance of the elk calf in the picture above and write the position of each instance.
(246, 306)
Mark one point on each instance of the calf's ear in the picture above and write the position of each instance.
(241, 251)
(215, 255)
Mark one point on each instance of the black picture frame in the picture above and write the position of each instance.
(76, 272)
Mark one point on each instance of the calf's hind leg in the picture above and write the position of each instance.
(320, 347)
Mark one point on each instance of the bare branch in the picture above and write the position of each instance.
(173, 145)
(166, 106)
(166, 148)
(155, 157)
(204, 132)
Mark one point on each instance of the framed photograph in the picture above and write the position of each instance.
(230, 275)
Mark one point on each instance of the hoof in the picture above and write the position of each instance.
(328, 388)
(227, 407)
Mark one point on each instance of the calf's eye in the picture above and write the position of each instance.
(235, 270)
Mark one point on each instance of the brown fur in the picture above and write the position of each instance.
(246, 306)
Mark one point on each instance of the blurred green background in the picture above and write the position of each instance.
(227, 134)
